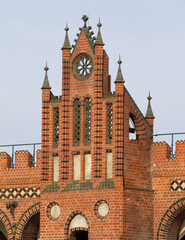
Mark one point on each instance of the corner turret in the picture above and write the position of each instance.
(119, 78)
(66, 44)
(149, 113)
(99, 40)
(46, 84)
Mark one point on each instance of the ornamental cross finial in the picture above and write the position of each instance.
(85, 18)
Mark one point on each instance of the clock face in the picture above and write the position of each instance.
(83, 66)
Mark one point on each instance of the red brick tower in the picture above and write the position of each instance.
(96, 183)
(93, 177)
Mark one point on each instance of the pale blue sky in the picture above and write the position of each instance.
(149, 35)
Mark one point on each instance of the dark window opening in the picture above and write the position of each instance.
(87, 121)
(132, 129)
(81, 235)
(77, 120)
(56, 127)
(109, 122)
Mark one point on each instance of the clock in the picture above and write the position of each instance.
(83, 66)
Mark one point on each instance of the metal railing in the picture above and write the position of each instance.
(172, 140)
(12, 146)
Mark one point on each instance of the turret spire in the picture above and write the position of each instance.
(149, 112)
(99, 39)
(119, 78)
(46, 84)
(66, 41)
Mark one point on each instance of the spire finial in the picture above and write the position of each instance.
(66, 41)
(99, 39)
(149, 97)
(119, 78)
(46, 81)
(99, 24)
(46, 67)
(119, 61)
(149, 112)
(66, 28)
(85, 18)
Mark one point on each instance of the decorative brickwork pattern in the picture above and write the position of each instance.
(48, 211)
(54, 187)
(177, 185)
(69, 219)
(26, 192)
(96, 206)
(77, 186)
(106, 184)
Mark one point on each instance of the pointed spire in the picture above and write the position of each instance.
(149, 112)
(99, 39)
(119, 78)
(66, 41)
(46, 81)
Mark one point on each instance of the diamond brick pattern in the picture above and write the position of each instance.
(177, 185)
(26, 192)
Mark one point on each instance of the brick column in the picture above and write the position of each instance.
(98, 111)
(65, 114)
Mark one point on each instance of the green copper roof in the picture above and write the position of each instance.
(119, 78)
(46, 81)
(149, 112)
(66, 41)
(99, 40)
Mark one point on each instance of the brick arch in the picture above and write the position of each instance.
(69, 219)
(24, 219)
(139, 122)
(7, 224)
(171, 221)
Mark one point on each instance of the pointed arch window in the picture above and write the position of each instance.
(56, 127)
(77, 120)
(87, 121)
(109, 122)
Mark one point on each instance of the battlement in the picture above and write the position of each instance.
(162, 162)
(23, 172)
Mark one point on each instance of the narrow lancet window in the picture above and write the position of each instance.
(109, 122)
(77, 120)
(87, 121)
(56, 126)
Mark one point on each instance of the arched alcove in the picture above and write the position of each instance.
(172, 225)
(3, 232)
(78, 226)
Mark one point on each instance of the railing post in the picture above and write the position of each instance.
(172, 154)
(33, 159)
(12, 160)
(172, 140)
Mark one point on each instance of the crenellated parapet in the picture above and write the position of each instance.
(162, 164)
(24, 171)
